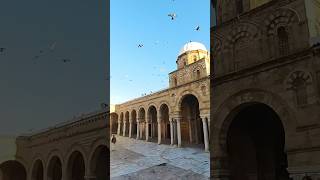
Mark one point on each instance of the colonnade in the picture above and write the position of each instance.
(175, 129)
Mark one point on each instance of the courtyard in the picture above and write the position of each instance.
(133, 159)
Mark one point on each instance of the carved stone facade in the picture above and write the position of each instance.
(179, 115)
(265, 105)
(76, 150)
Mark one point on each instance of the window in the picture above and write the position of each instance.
(198, 74)
(175, 81)
(194, 58)
(301, 91)
(283, 41)
(239, 6)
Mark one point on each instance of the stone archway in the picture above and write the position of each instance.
(37, 170)
(76, 166)
(54, 171)
(152, 128)
(126, 124)
(142, 120)
(191, 125)
(133, 125)
(100, 163)
(120, 124)
(224, 115)
(256, 136)
(13, 170)
(165, 124)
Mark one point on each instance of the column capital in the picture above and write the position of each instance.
(202, 116)
(159, 119)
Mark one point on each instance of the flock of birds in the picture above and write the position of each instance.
(41, 53)
(173, 16)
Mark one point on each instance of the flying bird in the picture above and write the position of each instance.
(2, 50)
(140, 45)
(65, 60)
(172, 15)
(197, 28)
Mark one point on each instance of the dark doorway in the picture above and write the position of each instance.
(255, 144)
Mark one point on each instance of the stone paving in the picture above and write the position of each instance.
(133, 159)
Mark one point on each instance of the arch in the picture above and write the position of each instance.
(54, 168)
(37, 172)
(281, 17)
(186, 93)
(165, 123)
(255, 135)
(13, 170)
(152, 121)
(76, 166)
(142, 120)
(99, 162)
(191, 124)
(141, 114)
(133, 122)
(219, 133)
(120, 122)
(126, 120)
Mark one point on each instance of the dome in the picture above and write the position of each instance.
(190, 46)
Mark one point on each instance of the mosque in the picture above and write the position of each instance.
(178, 115)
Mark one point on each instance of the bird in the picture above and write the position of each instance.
(65, 60)
(172, 15)
(140, 45)
(197, 28)
(2, 50)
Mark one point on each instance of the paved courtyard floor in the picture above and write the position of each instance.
(133, 159)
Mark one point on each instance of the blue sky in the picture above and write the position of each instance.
(134, 70)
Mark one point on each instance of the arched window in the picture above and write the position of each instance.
(198, 74)
(239, 6)
(283, 41)
(301, 91)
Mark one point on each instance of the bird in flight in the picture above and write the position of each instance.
(172, 15)
(197, 28)
(140, 45)
(66, 60)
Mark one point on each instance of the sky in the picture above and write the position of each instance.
(135, 71)
(38, 93)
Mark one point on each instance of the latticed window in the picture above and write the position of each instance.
(239, 6)
(283, 41)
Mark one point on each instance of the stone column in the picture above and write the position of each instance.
(147, 130)
(190, 130)
(124, 128)
(119, 126)
(209, 125)
(159, 130)
(138, 129)
(130, 127)
(205, 133)
(171, 131)
(179, 131)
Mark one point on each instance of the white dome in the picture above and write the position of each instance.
(190, 46)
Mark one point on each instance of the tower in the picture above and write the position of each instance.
(265, 89)
(193, 63)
